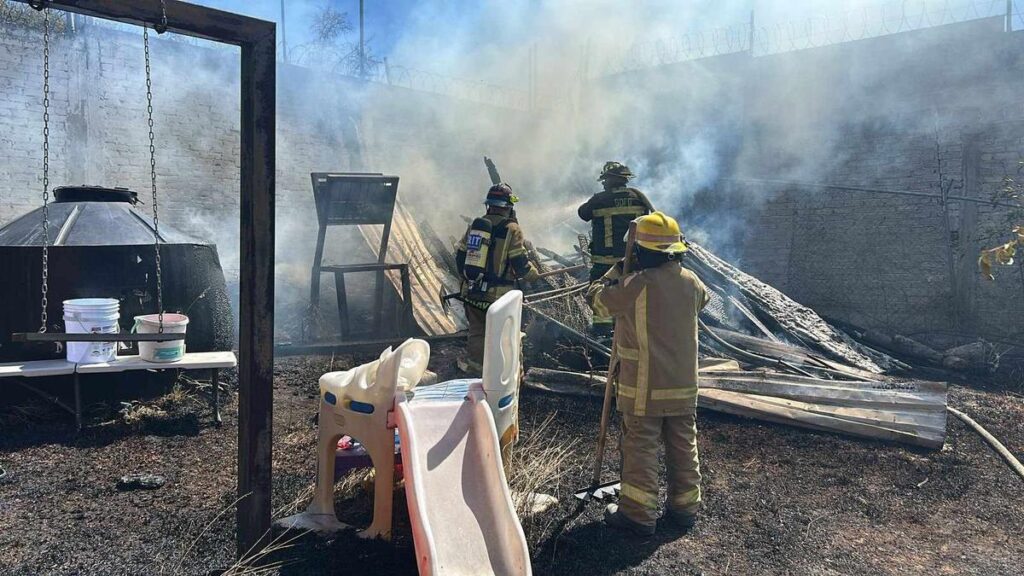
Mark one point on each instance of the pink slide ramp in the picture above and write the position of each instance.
(463, 519)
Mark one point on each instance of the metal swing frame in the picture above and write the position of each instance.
(258, 42)
(44, 335)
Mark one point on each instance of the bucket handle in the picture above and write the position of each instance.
(77, 318)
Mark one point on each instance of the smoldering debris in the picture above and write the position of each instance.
(763, 356)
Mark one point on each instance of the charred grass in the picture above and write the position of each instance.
(778, 500)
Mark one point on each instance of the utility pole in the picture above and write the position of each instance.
(752, 32)
(531, 71)
(284, 36)
(1009, 15)
(362, 44)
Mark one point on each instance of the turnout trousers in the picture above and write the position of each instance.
(602, 323)
(477, 320)
(641, 436)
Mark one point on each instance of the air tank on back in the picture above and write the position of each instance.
(102, 246)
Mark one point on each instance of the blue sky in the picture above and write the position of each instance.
(388, 20)
(488, 40)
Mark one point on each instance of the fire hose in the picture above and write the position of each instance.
(996, 445)
(538, 297)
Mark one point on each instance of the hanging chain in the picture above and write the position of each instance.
(152, 174)
(46, 168)
(161, 26)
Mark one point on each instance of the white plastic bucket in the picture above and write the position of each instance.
(91, 316)
(170, 351)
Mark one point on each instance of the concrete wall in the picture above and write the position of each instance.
(935, 113)
(904, 112)
(926, 112)
(99, 135)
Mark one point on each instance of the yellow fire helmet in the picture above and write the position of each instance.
(660, 232)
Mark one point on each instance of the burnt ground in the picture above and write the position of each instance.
(778, 500)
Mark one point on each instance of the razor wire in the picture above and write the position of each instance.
(888, 18)
(813, 32)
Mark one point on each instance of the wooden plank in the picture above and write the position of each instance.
(257, 123)
(751, 317)
(895, 415)
(906, 421)
(37, 368)
(191, 361)
(717, 365)
(834, 392)
(182, 18)
(788, 352)
(564, 388)
(751, 406)
(567, 383)
(407, 247)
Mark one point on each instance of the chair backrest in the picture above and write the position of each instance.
(374, 384)
(502, 343)
(402, 369)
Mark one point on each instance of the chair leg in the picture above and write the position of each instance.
(382, 451)
(327, 446)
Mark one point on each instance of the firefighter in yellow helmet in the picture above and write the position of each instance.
(655, 309)
(610, 212)
(491, 257)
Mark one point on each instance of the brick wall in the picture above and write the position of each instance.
(926, 123)
(98, 134)
(888, 113)
(920, 112)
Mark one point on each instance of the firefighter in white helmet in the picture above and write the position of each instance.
(655, 309)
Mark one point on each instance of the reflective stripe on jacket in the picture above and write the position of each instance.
(655, 314)
(610, 213)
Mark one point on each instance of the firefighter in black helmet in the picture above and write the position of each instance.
(491, 257)
(610, 212)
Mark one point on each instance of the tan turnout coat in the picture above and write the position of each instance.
(655, 314)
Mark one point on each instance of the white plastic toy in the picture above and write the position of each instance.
(461, 511)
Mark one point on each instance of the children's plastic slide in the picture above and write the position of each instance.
(461, 511)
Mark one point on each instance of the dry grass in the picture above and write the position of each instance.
(254, 562)
(538, 464)
(137, 414)
(21, 415)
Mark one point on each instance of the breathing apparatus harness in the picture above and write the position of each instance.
(479, 268)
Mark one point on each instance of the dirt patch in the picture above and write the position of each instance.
(778, 500)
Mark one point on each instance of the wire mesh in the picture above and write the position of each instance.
(564, 303)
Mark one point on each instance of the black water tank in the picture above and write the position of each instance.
(102, 246)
